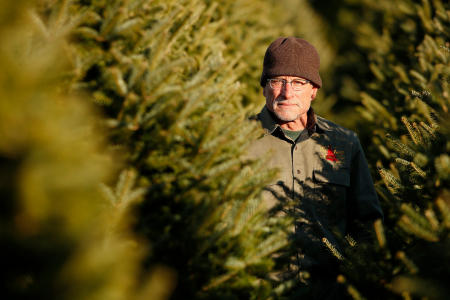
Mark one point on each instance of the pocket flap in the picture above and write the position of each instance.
(341, 177)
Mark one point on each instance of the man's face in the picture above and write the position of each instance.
(289, 104)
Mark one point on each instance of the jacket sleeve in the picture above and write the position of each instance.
(364, 206)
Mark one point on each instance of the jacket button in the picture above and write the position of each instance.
(298, 171)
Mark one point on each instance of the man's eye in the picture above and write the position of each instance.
(277, 82)
(298, 82)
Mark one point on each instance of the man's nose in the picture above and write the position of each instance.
(287, 90)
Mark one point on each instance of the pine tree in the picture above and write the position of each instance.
(59, 238)
(167, 75)
(407, 105)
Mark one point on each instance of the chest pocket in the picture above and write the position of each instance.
(331, 188)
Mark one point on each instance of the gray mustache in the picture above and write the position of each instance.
(287, 101)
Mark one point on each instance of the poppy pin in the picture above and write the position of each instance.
(332, 155)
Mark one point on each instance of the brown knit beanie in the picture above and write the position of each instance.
(291, 56)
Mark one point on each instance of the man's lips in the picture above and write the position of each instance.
(286, 104)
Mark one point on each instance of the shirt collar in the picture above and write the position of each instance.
(269, 122)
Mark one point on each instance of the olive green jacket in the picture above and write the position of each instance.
(323, 181)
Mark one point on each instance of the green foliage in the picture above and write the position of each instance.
(414, 67)
(406, 105)
(170, 77)
(59, 238)
(175, 82)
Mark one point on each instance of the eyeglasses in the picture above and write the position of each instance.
(296, 84)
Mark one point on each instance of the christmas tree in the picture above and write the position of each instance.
(59, 238)
(406, 105)
(150, 195)
(170, 79)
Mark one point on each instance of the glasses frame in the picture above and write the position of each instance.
(305, 82)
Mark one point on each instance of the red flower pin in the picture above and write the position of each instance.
(331, 155)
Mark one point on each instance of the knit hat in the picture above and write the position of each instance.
(291, 56)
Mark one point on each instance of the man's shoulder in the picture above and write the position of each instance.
(265, 122)
(336, 129)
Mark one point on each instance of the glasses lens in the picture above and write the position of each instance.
(298, 84)
(276, 83)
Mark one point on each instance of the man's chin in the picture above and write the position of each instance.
(286, 117)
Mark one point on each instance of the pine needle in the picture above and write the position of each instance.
(392, 183)
(379, 231)
(407, 262)
(400, 147)
(332, 249)
(409, 226)
(412, 132)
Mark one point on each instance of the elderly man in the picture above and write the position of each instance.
(323, 181)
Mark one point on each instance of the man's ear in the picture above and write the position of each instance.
(314, 92)
(264, 91)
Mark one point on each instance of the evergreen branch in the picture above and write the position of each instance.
(406, 224)
(244, 213)
(411, 164)
(219, 280)
(160, 26)
(239, 265)
(108, 194)
(419, 171)
(418, 134)
(415, 216)
(392, 183)
(190, 18)
(136, 194)
(402, 162)
(37, 20)
(351, 241)
(378, 109)
(351, 290)
(402, 74)
(113, 14)
(100, 98)
(413, 269)
(427, 137)
(377, 72)
(386, 194)
(432, 219)
(412, 133)
(124, 186)
(424, 12)
(62, 12)
(418, 76)
(406, 295)
(379, 231)
(128, 25)
(400, 147)
(87, 33)
(116, 82)
(269, 245)
(332, 249)
(433, 120)
(284, 286)
(430, 130)
(442, 165)
(444, 209)
(160, 42)
(63, 29)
